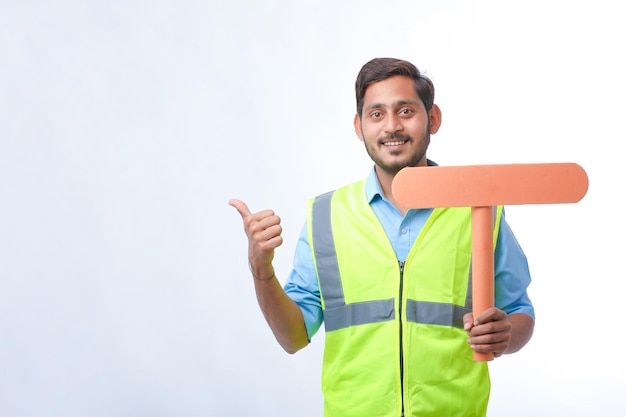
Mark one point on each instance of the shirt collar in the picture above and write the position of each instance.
(372, 185)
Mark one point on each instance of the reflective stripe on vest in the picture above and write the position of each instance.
(339, 315)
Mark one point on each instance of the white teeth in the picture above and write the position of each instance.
(400, 142)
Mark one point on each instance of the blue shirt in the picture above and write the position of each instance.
(511, 274)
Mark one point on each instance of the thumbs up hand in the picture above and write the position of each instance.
(263, 230)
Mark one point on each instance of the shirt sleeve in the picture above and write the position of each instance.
(512, 276)
(302, 285)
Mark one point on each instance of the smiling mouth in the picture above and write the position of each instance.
(395, 143)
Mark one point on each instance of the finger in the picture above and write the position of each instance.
(241, 207)
(489, 328)
(489, 315)
(270, 244)
(489, 343)
(497, 348)
(489, 338)
(266, 229)
(468, 321)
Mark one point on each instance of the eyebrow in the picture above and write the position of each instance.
(397, 103)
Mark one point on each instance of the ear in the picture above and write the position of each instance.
(357, 126)
(435, 119)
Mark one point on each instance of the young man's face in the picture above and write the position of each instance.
(394, 124)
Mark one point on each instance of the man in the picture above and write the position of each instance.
(391, 285)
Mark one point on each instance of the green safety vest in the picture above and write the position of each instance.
(394, 342)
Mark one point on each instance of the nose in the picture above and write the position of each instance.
(393, 123)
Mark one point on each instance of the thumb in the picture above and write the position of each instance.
(241, 207)
(468, 321)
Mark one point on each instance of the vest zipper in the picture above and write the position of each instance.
(401, 263)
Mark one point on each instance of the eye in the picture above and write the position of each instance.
(376, 115)
(406, 111)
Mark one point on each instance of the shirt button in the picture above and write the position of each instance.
(403, 230)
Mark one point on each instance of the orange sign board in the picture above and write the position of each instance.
(482, 187)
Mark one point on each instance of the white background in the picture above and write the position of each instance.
(126, 126)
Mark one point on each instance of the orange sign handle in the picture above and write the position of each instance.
(482, 267)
